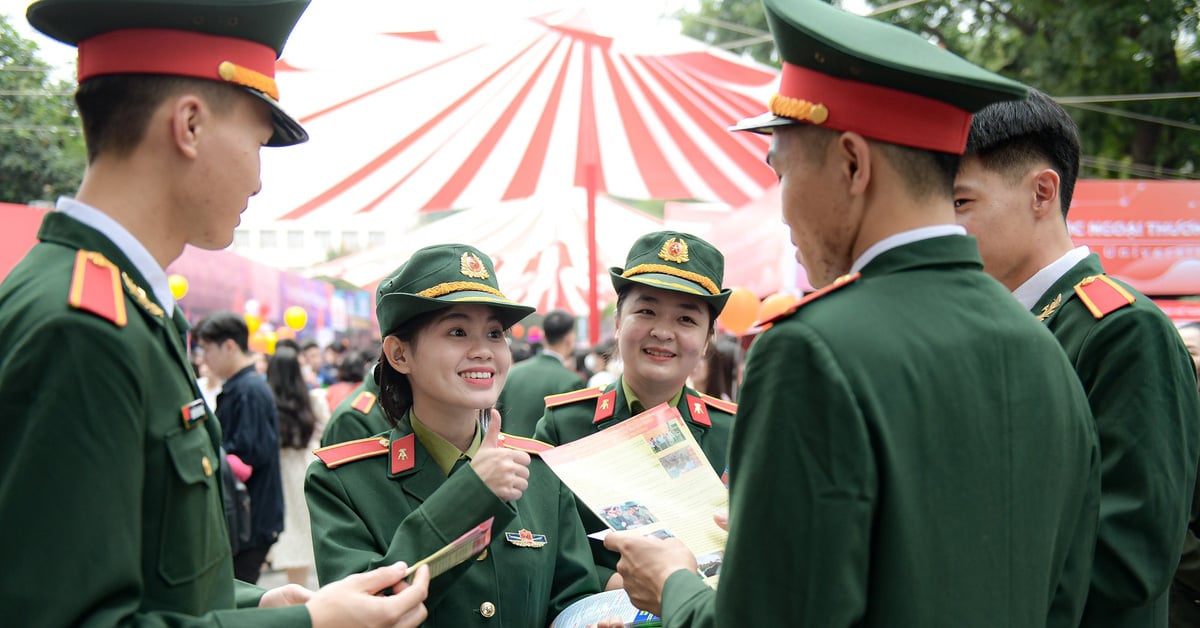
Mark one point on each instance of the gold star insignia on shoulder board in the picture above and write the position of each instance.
(139, 295)
(1049, 309)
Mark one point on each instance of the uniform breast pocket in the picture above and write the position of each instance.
(194, 539)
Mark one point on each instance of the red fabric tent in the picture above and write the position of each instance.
(538, 245)
(19, 234)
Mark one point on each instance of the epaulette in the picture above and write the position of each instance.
(720, 404)
(364, 402)
(1102, 295)
(96, 288)
(337, 455)
(527, 445)
(810, 297)
(553, 401)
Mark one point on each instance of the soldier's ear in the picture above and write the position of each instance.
(398, 354)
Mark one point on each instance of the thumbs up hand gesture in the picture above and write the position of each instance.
(504, 470)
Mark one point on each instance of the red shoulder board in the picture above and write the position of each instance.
(527, 445)
(364, 402)
(553, 401)
(96, 288)
(810, 297)
(606, 405)
(337, 455)
(720, 404)
(1102, 295)
(696, 408)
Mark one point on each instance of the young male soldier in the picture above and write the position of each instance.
(669, 295)
(1013, 190)
(110, 495)
(912, 449)
(523, 400)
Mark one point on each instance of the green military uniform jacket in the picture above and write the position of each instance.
(710, 424)
(1141, 384)
(357, 416)
(110, 505)
(365, 516)
(522, 402)
(912, 449)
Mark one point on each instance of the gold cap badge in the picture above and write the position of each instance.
(674, 250)
(473, 267)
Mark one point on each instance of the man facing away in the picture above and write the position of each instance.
(912, 448)
(523, 400)
(1012, 192)
(110, 485)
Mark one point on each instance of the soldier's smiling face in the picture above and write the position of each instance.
(662, 335)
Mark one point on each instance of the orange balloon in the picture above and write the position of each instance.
(518, 330)
(258, 341)
(285, 333)
(740, 311)
(775, 305)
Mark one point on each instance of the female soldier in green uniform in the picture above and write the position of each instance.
(444, 358)
(668, 298)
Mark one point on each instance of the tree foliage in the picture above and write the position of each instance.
(41, 148)
(1093, 49)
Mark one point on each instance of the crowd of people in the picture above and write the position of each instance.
(968, 423)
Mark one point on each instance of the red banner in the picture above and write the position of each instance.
(1145, 232)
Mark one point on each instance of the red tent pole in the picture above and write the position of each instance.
(593, 298)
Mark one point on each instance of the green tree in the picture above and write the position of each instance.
(1086, 54)
(42, 153)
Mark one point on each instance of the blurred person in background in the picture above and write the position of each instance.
(523, 399)
(302, 416)
(350, 371)
(718, 374)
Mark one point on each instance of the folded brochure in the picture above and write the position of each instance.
(457, 551)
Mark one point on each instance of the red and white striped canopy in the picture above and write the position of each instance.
(440, 119)
(538, 245)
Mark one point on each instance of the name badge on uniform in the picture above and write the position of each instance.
(194, 413)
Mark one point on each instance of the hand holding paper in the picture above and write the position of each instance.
(646, 563)
(504, 470)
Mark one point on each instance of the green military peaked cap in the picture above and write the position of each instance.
(675, 261)
(437, 277)
(853, 73)
(232, 41)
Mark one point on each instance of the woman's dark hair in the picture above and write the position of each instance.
(721, 364)
(395, 391)
(296, 420)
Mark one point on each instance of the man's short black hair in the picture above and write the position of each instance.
(309, 344)
(556, 325)
(218, 327)
(1012, 135)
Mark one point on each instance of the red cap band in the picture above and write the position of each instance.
(173, 52)
(880, 113)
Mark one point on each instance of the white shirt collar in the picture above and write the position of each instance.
(902, 238)
(1029, 292)
(141, 258)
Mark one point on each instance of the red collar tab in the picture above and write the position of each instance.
(1102, 295)
(404, 454)
(179, 53)
(880, 113)
(364, 402)
(698, 411)
(337, 455)
(606, 405)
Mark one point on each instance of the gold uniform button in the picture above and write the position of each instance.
(207, 466)
(487, 609)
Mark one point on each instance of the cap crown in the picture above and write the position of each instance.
(437, 277)
(677, 261)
